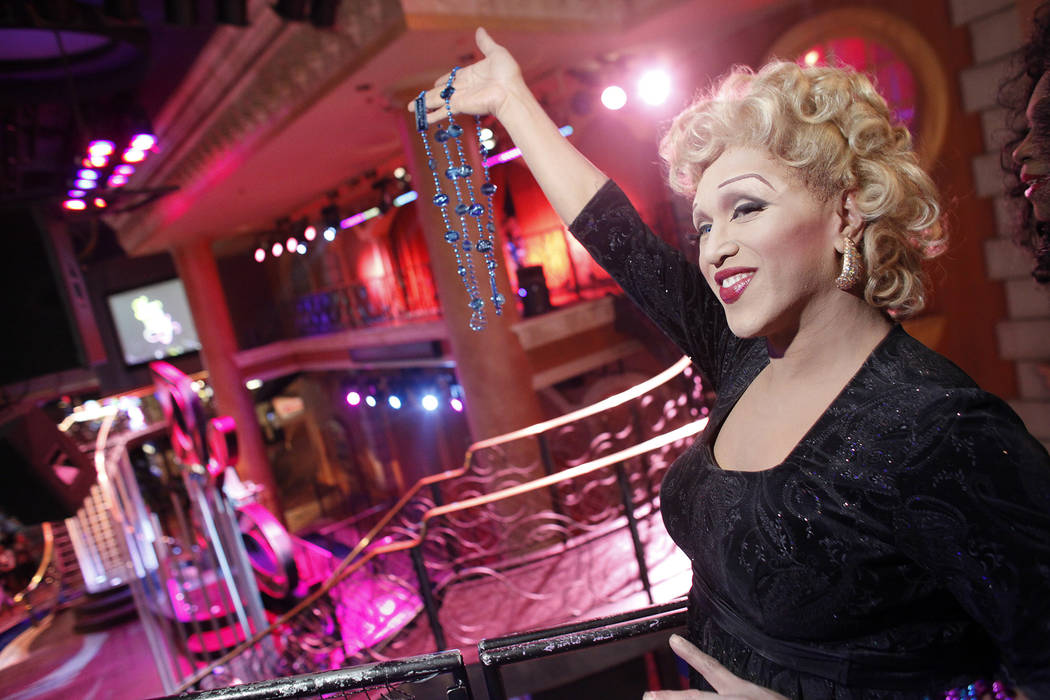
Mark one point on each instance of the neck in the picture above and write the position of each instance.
(835, 339)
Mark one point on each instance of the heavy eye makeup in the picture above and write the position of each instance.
(741, 209)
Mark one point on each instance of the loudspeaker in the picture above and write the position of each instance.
(532, 288)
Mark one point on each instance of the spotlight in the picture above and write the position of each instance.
(291, 244)
(87, 174)
(456, 404)
(100, 148)
(310, 233)
(117, 180)
(134, 155)
(260, 254)
(301, 249)
(95, 162)
(654, 87)
(74, 204)
(812, 57)
(394, 401)
(125, 170)
(353, 398)
(614, 98)
(100, 203)
(75, 194)
(277, 249)
(85, 184)
(329, 233)
(399, 173)
(143, 142)
(371, 401)
(430, 402)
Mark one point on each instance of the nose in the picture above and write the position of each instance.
(716, 248)
(1023, 151)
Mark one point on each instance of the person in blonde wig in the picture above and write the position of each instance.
(863, 521)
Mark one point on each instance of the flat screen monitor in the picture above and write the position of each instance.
(154, 322)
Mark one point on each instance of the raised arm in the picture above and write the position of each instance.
(495, 86)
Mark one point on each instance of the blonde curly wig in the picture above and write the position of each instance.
(836, 132)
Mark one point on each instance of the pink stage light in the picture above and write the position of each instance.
(291, 244)
(456, 405)
(76, 193)
(260, 255)
(310, 233)
(614, 97)
(100, 203)
(85, 184)
(277, 249)
(143, 142)
(87, 174)
(117, 180)
(74, 204)
(654, 87)
(95, 162)
(100, 147)
(353, 398)
(134, 155)
(124, 169)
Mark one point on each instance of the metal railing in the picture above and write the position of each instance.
(618, 491)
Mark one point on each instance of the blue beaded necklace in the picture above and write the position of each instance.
(470, 213)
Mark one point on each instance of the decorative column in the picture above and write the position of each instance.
(491, 364)
(200, 275)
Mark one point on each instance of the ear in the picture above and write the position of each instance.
(851, 221)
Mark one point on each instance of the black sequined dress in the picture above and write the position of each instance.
(902, 548)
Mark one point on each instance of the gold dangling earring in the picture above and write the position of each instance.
(852, 266)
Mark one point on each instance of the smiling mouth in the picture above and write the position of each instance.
(730, 288)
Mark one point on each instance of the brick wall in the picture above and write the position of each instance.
(997, 29)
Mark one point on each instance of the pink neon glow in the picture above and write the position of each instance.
(100, 147)
(310, 233)
(124, 169)
(277, 249)
(76, 204)
(456, 405)
(76, 193)
(134, 155)
(100, 203)
(117, 180)
(291, 243)
(143, 142)
(260, 255)
(502, 157)
(353, 398)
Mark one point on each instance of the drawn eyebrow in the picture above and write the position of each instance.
(747, 175)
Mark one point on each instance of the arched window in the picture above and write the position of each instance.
(907, 71)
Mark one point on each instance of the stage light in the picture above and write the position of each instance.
(134, 155)
(291, 244)
(512, 153)
(95, 162)
(522, 292)
(76, 193)
(117, 180)
(371, 401)
(353, 398)
(301, 249)
(403, 199)
(100, 147)
(124, 169)
(329, 234)
(400, 172)
(85, 184)
(87, 174)
(260, 254)
(456, 404)
(100, 203)
(310, 233)
(654, 87)
(395, 401)
(429, 402)
(277, 249)
(359, 218)
(613, 97)
(812, 57)
(143, 142)
(74, 204)
(253, 384)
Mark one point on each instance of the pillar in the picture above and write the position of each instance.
(196, 266)
(491, 364)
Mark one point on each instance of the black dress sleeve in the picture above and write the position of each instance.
(975, 512)
(667, 287)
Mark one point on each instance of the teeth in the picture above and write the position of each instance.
(730, 281)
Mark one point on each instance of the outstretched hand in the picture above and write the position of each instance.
(480, 88)
(726, 684)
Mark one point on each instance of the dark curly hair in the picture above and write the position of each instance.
(1033, 61)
